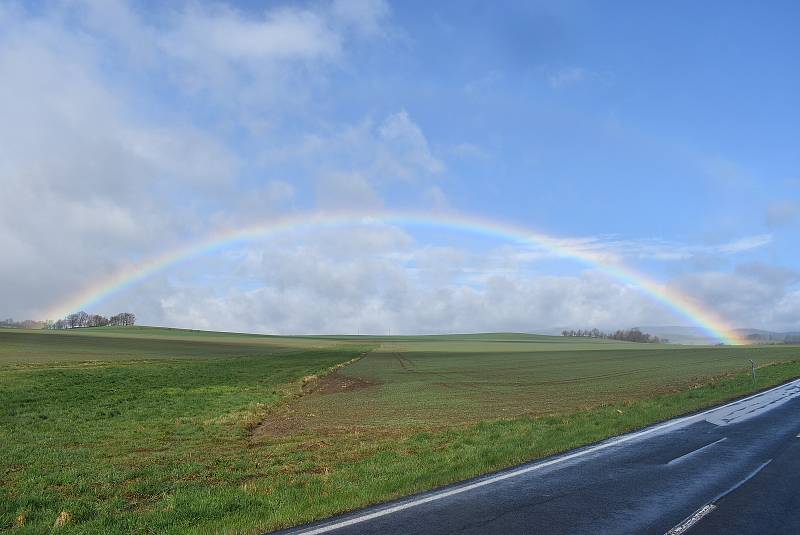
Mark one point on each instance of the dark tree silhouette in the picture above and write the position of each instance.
(629, 335)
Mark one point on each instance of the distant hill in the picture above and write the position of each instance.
(680, 334)
(695, 335)
(760, 335)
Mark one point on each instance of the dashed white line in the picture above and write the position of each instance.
(695, 517)
(682, 457)
(692, 520)
(750, 476)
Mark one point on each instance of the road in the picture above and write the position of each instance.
(733, 469)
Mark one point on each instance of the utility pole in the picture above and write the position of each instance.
(753, 365)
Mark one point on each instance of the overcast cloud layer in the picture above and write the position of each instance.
(130, 129)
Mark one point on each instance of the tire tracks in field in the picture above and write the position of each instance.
(406, 363)
(448, 382)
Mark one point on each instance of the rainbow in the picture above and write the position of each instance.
(679, 303)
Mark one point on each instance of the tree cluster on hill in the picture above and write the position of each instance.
(627, 335)
(24, 324)
(84, 319)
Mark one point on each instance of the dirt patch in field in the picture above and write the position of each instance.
(336, 382)
(277, 425)
(294, 418)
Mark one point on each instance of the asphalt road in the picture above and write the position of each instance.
(733, 469)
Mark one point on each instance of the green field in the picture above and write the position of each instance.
(144, 430)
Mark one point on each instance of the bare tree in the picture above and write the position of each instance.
(96, 320)
(629, 335)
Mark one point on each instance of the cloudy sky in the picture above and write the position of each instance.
(665, 135)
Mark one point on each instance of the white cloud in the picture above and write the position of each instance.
(97, 170)
(618, 248)
(358, 165)
(404, 151)
(206, 33)
(566, 77)
(380, 283)
(278, 192)
(272, 198)
(746, 243)
(366, 16)
(315, 286)
(339, 190)
(435, 198)
(753, 295)
(468, 150)
(786, 313)
(182, 154)
(483, 84)
(728, 175)
(377, 278)
(126, 132)
(77, 168)
(255, 63)
(781, 213)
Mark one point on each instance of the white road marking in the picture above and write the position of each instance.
(695, 517)
(435, 496)
(752, 474)
(692, 520)
(682, 457)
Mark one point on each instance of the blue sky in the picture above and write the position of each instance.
(666, 134)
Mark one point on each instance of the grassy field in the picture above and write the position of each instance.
(142, 430)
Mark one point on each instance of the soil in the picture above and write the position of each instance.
(285, 421)
(336, 382)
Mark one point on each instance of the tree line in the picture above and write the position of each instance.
(627, 335)
(774, 338)
(74, 321)
(24, 324)
(84, 319)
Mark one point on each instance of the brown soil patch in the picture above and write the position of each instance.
(287, 420)
(278, 425)
(336, 382)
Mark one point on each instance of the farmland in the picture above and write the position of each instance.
(146, 430)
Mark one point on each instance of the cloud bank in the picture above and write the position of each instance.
(127, 132)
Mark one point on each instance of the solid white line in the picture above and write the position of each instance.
(520, 471)
(692, 520)
(678, 459)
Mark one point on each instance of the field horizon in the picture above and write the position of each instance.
(683, 334)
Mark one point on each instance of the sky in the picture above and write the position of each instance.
(663, 135)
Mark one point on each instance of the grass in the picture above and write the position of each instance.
(125, 343)
(422, 385)
(152, 430)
